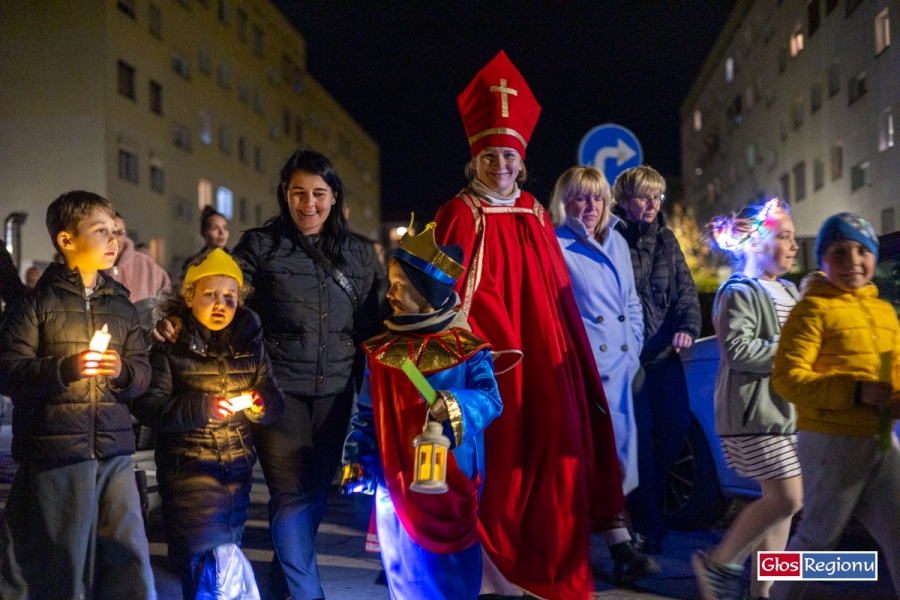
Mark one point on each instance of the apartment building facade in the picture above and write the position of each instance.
(798, 100)
(164, 106)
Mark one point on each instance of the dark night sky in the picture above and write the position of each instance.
(397, 68)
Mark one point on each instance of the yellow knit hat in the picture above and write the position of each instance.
(217, 262)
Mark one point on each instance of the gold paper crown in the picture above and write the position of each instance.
(424, 247)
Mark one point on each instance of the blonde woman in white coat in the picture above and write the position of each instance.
(599, 264)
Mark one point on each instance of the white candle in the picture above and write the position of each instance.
(100, 341)
(240, 402)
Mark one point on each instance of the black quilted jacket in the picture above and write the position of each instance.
(663, 281)
(58, 418)
(309, 328)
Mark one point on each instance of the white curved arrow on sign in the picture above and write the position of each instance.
(622, 152)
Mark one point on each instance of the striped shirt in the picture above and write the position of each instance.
(783, 301)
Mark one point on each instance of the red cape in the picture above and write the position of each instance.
(440, 523)
(551, 463)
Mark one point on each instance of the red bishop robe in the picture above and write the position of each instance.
(551, 463)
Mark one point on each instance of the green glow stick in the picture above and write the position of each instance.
(418, 380)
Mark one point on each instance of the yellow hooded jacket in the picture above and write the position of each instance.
(832, 340)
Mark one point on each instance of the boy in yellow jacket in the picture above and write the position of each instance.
(839, 361)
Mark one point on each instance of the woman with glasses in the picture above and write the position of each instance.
(671, 322)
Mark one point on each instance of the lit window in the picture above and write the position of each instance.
(205, 128)
(886, 130)
(225, 202)
(698, 120)
(859, 176)
(204, 194)
(729, 69)
(751, 155)
(158, 250)
(882, 32)
(796, 41)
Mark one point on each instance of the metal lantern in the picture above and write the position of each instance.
(431, 460)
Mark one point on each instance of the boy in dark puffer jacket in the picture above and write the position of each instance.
(206, 389)
(72, 527)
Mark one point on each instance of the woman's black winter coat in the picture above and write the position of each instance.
(663, 282)
(311, 332)
(204, 465)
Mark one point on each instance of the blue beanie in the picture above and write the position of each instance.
(435, 291)
(845, 226)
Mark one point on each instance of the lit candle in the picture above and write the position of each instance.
(240, 402)
(100, 341)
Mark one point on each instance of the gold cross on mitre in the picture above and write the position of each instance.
(504, 96)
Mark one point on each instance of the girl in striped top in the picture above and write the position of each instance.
(756, 425)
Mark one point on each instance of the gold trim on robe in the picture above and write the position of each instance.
(430, 353)
(455, 412)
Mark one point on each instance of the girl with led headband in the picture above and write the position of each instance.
(756, 425)
(207, 388)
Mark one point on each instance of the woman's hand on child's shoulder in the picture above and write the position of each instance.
(167, 329)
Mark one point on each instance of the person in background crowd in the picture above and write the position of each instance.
(139, 273)
(671, 322)
(72, 526)
(204, 451)
(599, 266)
(11, 287)
(143, 248)
(32, 275)
(551, 466)
(213, 230)
(311, 280)
(755, 424)
(839, 361)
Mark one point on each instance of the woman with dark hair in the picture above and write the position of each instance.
(310, 278)
(313, 284)
(214, 230)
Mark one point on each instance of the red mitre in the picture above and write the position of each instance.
(498, 108)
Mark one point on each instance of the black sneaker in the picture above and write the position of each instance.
(717, 581)
(648, 544)
(629, 565)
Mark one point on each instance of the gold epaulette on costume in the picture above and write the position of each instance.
(430, 353)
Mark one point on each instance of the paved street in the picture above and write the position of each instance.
(348, 572)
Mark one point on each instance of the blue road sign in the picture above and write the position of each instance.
(611, 148)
